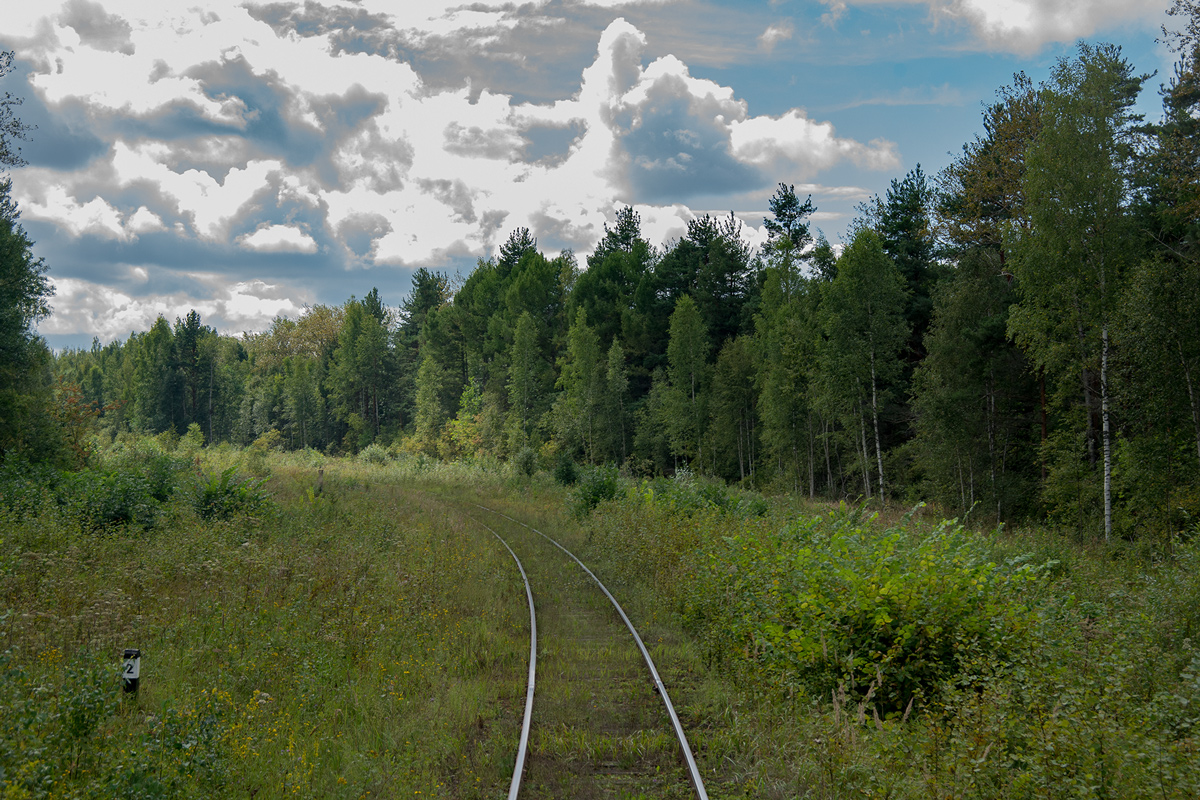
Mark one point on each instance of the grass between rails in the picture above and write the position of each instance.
(599, 730)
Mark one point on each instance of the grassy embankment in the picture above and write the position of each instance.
(364, 640)
(863, 657)
(349, 643)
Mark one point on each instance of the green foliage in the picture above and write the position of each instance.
(128, 488)
(25, 421)
(829, 602)
(25, 487)
(687, 495)
(1070, 262)
(526, 382)
(526, 462)
(103, 499)
(862, 314)
(224, 495)
(566, 471)
(374, 453)
(581, 381)
(972, 399)
(595, 486)
(687, 354)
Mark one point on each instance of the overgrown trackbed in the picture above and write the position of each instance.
(599, 726)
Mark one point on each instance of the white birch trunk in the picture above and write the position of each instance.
(1105, 430)
(875, 419)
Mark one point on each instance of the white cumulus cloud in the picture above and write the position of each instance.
(1023, 26)
(809, 146)
(239, 138)
(279, 239)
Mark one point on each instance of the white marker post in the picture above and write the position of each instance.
(131, 670)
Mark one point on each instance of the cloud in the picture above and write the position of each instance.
(1019, 26)
(837, 9)
(807, 146)
(944, 95)
(98, 28)
(111, 313)
(774, 34)
(210, 205)
(278, 239)
(95, 217)
(251, 136)
(1024, 26)
(144, 221)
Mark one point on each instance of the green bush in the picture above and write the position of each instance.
(566, 471)
(595, 486)
(526, 462)
(831, 604)
(375, 453)
(25, 487)
(226, 495)
(687, 494)
(158, 469)
(103, 499)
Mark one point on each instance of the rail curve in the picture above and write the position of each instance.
(514, 786)
(693, 771)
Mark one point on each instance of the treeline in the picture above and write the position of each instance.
(1018, 336)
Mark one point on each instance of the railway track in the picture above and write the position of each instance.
(597, 694)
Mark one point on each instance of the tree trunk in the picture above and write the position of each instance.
(1195, 408)
(1042, 449)
(828, 461)
(812, 459)
(866, 458)
(875, 418)
(211, 372)
(1106, 431)
(962, 486)
(1087, 393)
(991, 429)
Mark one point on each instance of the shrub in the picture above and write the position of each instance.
(24, 487)
(526, 462)
(192, 441)
(159, 470)
(686, 494)
(595, 486)
(566, 471)
(829, 604)
(375, 453)
(103, 499)
(225, 495)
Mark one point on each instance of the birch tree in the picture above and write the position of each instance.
(862, 314)
(1070, 263)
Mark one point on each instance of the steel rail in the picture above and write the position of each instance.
(523, 747)
(693, 770)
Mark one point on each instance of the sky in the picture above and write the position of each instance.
(250, 159)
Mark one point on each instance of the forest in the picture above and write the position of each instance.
(1014, 338)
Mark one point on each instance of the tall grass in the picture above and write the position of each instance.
(347, 636)
(345, 642)
(863, 658)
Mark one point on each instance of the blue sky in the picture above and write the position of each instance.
(250, 158)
